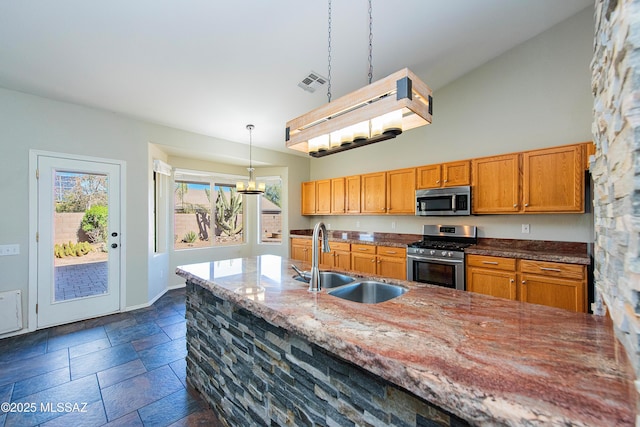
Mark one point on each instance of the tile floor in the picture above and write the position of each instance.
(127, 369)
(80, 280)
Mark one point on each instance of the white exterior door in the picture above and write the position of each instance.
(78, 249)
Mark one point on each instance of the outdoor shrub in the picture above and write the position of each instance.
(71, 249)
(190, 237)
(94, 223)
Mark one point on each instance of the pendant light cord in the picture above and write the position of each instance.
(250, 128)
(329, 57)
(370, 43)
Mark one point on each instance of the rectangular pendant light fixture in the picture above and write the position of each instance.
(376, 112)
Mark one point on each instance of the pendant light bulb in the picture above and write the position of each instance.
(250, 187)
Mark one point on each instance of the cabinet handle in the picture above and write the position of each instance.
(438, 182)
(515, 205)
(557, 270)
(391, 252)
(363, 249)
(524, 282)
(373, 260)
(490, 262)
(512, 280)
(526, 204)
(379, 261)
(446, 180)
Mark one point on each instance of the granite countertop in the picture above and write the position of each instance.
(537, 250)
(488, 360)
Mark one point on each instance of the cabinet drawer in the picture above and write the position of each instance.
(391, 251)
(340, 246)
(363, 249)
(554, 269)
(492, 262)
(301, 242)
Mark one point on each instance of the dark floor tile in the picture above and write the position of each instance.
(170, 408)
(170, 320)
(66, 329)
(23, 346)
(204, 418)
(126, 396)
(90, 347)
(119, 373)
(130, 420)
(90, 416)
(100, 360)
(175, 331)
(107, 321)
(179, 368)
(18, 370)
(5, 396)
(75, 338)
(131, 333)
(164, 354)
(40, 382)
(121, 324)
(82, 391)
(150, 341)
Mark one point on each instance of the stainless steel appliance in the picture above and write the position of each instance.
(438, 258)
(444, 201)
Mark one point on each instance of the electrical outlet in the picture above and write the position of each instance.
(328, 226)
(525, 228)
(393, 225)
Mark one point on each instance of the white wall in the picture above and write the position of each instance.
(31, 122)
(535, 95)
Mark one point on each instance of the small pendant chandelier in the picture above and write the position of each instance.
(250, 186)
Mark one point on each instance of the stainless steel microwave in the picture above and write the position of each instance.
(444, 201)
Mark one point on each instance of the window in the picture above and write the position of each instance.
(270, 211)
(205, 218)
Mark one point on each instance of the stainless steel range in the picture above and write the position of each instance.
(438, 258)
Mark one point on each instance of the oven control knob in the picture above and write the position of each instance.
(450, 254)
(444, 253)
(420, 251)
(432, 252)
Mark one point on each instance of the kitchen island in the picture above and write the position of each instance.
(263, 350)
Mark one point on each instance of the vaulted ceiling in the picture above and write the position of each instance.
(211, 66)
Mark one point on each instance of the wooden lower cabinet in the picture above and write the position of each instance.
(301, 249)
(338, 257)
(554, 284)
(493, 276)
(546, 283)
(363, 258)
(387, 261)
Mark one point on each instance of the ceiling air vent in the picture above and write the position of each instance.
(312, 82)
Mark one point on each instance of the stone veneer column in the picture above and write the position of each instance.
(616, 171)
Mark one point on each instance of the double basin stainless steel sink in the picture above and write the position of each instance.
(362, 291)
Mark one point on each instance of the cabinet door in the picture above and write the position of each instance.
(342, 260)
(393, 267)
(401, 191)
(555, 292)
(496, 184)
(553, 180)
(323, 196)
(301, 250)
(373, 193)
(309, 198)
(337, 196)
(352, 194)
(497, 283)
(429, 176)
(456, 173)
(363, 263)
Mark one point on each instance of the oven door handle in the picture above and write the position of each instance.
(440, 260)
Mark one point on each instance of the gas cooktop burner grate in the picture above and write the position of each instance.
(437, 244)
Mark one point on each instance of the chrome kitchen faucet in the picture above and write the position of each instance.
(314, 283)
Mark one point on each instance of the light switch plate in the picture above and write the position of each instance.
(6, 250)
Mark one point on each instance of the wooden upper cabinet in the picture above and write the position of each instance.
(352, 194)
(495, 183)
(553, 180)
(429, 176)
(373, 193)
(323, 196)
(451, 174)
(337, 196)
(401, 191)
(308, 198)
(456, 173)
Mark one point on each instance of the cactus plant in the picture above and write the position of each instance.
(190, 237)
(71, 249)
(227, 213)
